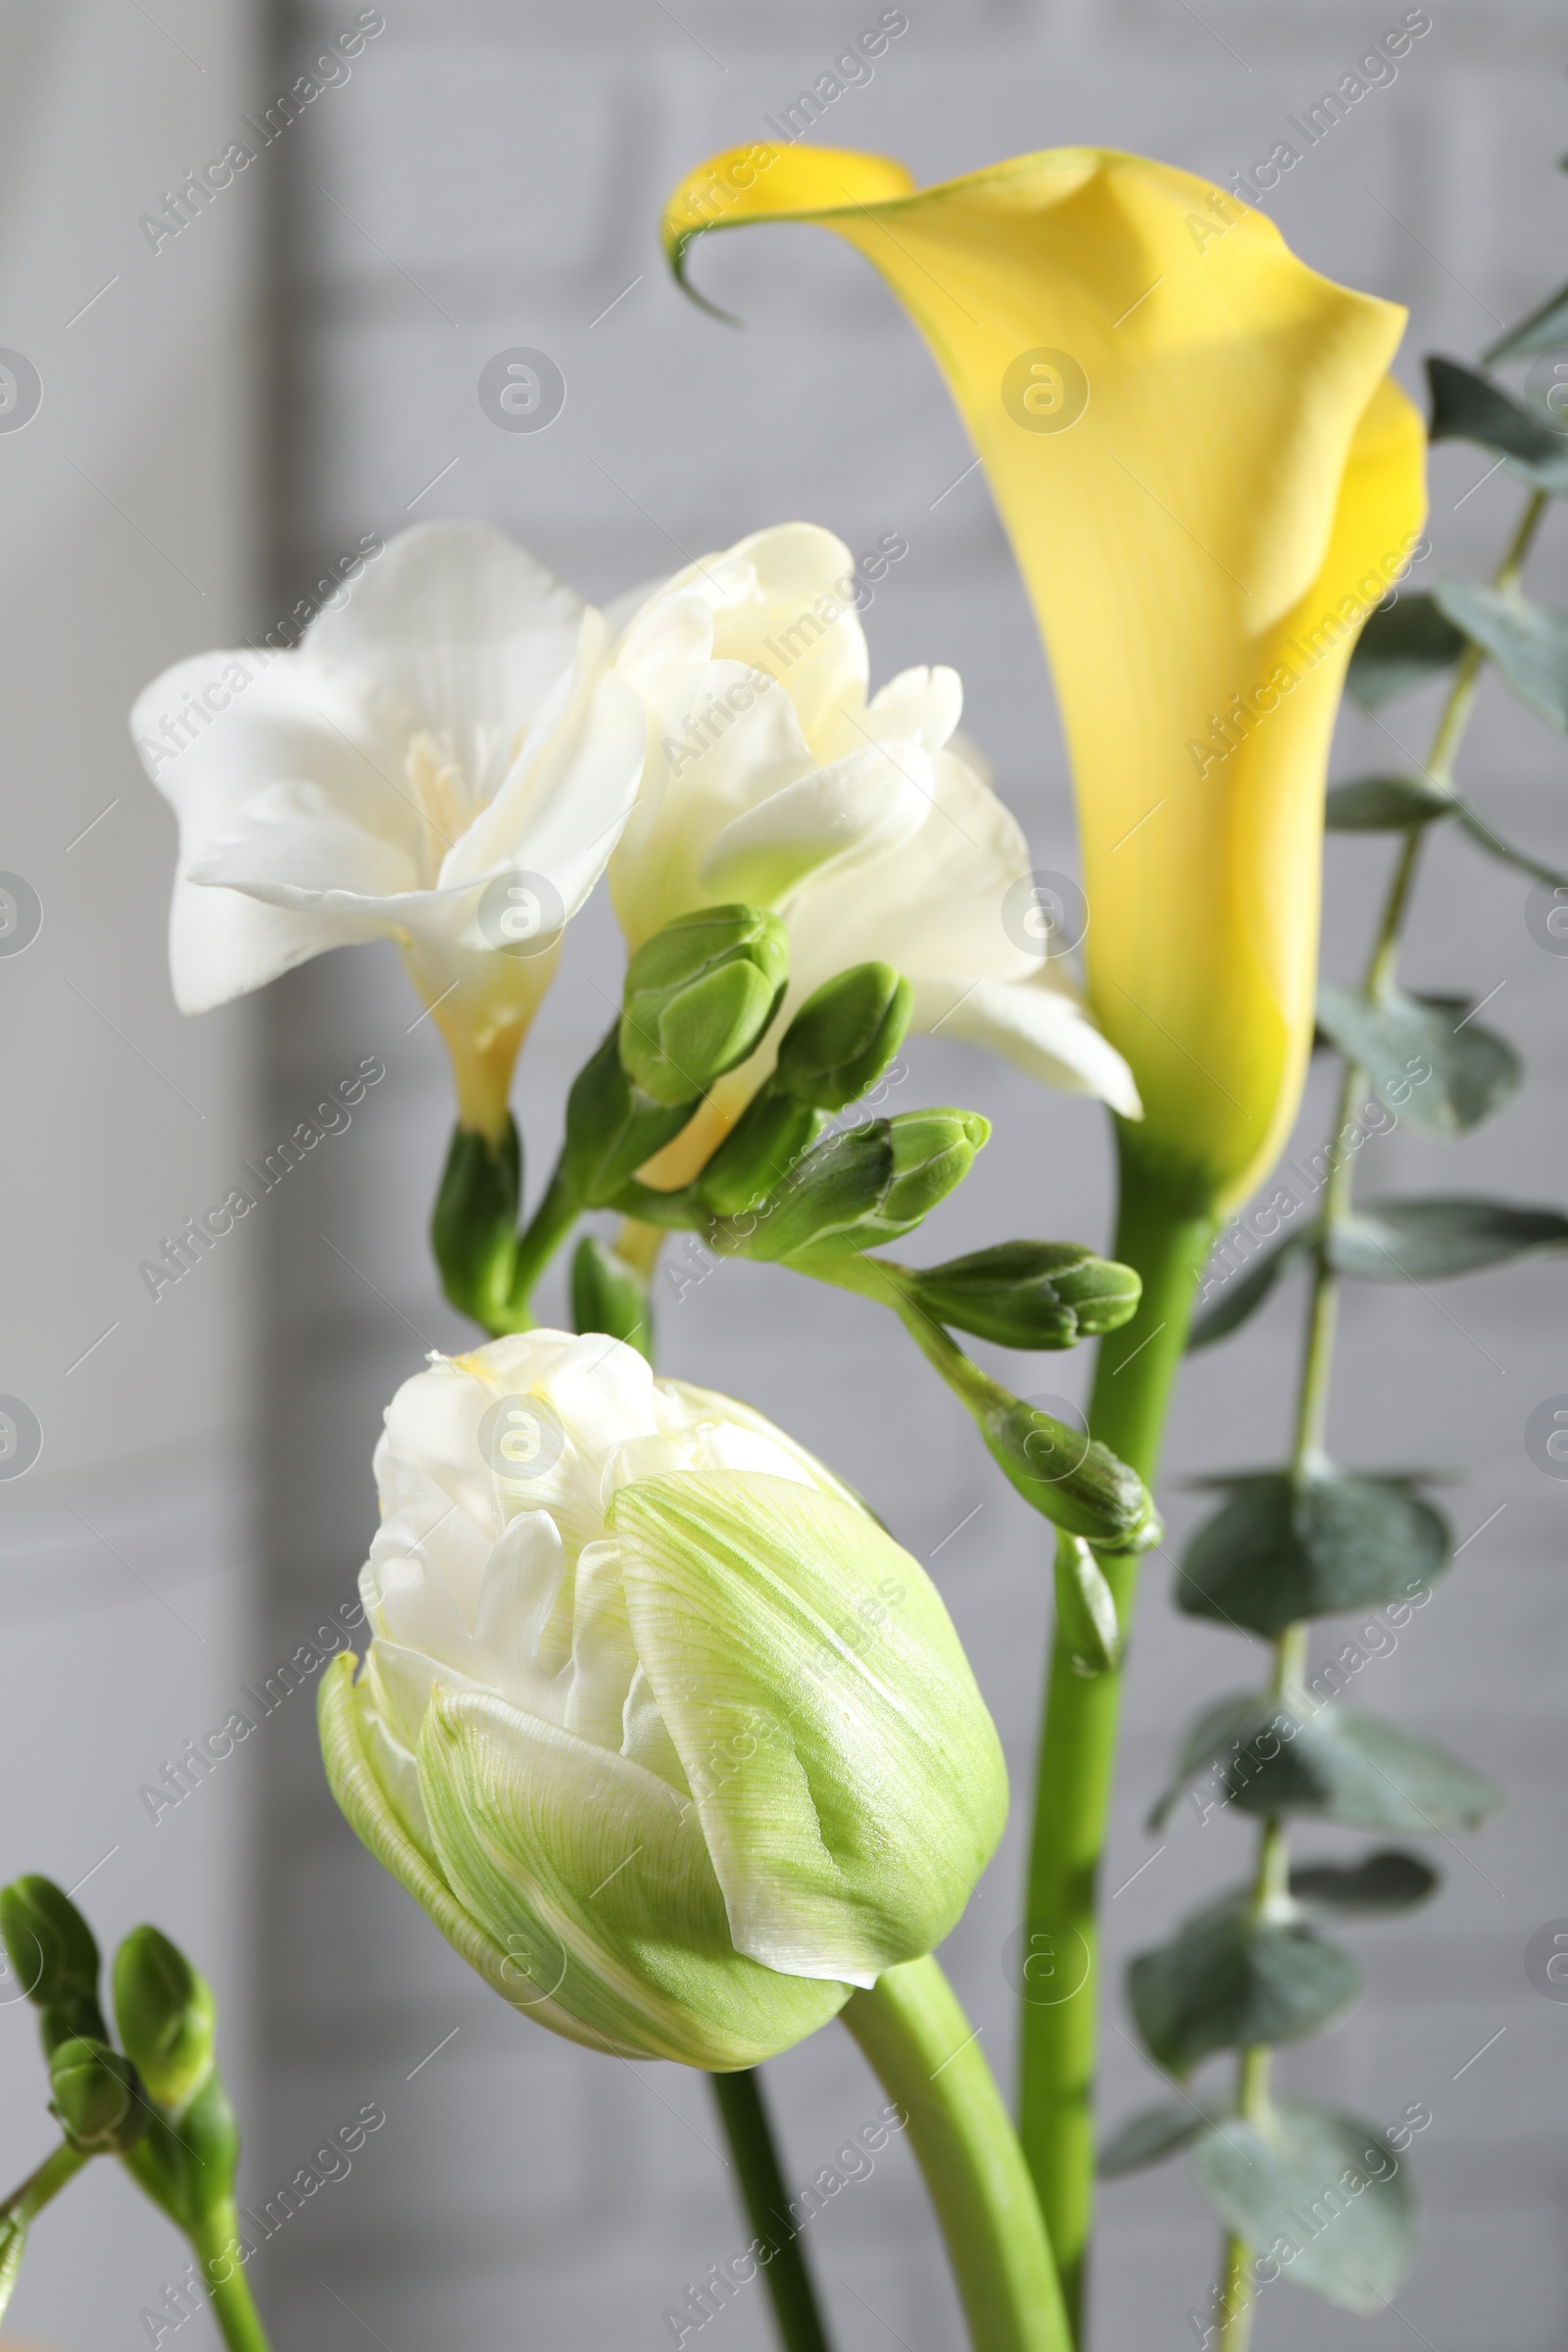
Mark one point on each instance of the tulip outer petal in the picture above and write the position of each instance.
(873, 1791)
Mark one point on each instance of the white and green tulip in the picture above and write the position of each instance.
(672, 1740)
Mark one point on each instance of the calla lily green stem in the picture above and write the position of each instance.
(751, 2144)
(1168, 1241)
(927, 2056)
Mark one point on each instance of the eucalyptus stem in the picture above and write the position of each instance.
(751, 2142)
(928, 2057)
(1271, 1877)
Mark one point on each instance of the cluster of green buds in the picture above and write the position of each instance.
(767, 1179)
(156, 2100)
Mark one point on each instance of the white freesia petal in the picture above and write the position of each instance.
(722, 738)
(458, 622)
(448, 727)
(790, 610)
(859, 809)
(1036, 1025)
(292, 846)
(925, 705)
(936, 905)
(659, 628)
(883, 841)
(576, 800)
(258, 721)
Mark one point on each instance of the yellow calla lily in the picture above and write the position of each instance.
(1210, 480)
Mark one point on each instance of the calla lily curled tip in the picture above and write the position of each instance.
(1209, 478)
(669, 1736)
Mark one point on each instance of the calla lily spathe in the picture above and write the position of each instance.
(774, 777)
(1208, 479)
(446, 760)
(670, 1740)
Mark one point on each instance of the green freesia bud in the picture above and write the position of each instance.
(757, 1153)
(700, 996)
(611, 1127)
(1030, 1294)
(866, 1185)
(54, 1958)
(97, 2097)
(1086, 1607)
(1073, 1480)
(166, 2017)
(673, 1742)
(843, 1036)
(609, 1295)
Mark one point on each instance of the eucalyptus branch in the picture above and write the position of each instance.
(1271, 1877)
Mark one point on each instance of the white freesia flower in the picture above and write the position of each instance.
(771, 777)
(669, 1738)
(445, 760)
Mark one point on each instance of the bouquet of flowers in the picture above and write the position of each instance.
(673, 1743)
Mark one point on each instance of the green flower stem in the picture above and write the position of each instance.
(238, 2322)
(1271, 1877)
(928, 2057)
(1168, 1244)
(58, 2168)
(750, 2142)
(547, 1229)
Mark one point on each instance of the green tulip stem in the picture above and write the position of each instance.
(30, 2197)
(928, 2057)
(214, 2239)
(749, 2135)
(1168, 1244)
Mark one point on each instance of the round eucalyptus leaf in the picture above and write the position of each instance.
(1284, 1548)
(1228, 1983)
(1401, 647)
(1425, 1056)
(1322, 2197)
(1388, 1881)
(1359, 1770)
(1149, 2137)
(1528, 642)
(1385, 805)
(1389, 1241)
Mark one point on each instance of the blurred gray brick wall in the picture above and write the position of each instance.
(492, 177)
